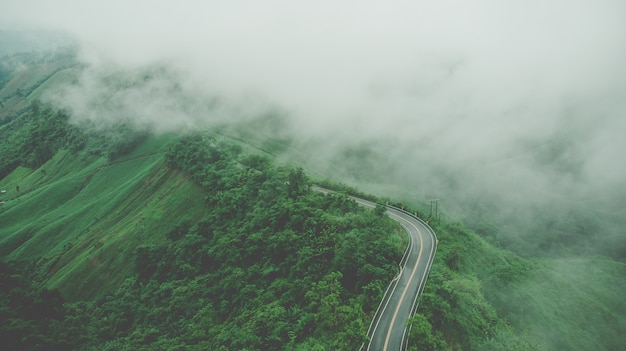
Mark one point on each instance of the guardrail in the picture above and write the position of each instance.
(404, 343)
(394, 282)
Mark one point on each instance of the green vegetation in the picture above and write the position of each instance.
(94, 196)
(30, 318)
(480, 297)
(24, 77)
(119, 239)
(260, 244)
(272, 265)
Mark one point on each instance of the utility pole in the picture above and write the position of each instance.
(436, 203)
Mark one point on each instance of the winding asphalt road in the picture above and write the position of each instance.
(388, 330)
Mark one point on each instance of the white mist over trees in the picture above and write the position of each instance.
(522, 103)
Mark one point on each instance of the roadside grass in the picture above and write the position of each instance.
(551, 304)
(569, 304)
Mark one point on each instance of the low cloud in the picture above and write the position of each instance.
(520, 100)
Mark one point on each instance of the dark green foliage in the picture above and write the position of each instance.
(297, 183)
(380, 209)
(423, 337)
(272, 265)
(30, 318)
(5, 75)
(342, 188)
(32, 137)
(125, 141)
(345, 189)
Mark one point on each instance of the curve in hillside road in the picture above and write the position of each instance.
(388, 330)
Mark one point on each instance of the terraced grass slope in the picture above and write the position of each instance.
(80, 218)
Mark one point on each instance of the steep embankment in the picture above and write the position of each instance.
(78, 202)
(81, 217)
(482, 297)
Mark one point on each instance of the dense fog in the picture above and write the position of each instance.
(514, 107)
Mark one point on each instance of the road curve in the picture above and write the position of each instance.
(388, 330)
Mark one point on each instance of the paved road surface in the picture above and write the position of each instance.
(388, 331)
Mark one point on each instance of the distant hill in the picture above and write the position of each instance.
(14, 41)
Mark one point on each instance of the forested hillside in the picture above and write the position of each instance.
(252, 256)
(119, 238)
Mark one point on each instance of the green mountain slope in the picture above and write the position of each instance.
(481, 297)
(110, 217)
(80, 217)
(226, 232)
(199, 242)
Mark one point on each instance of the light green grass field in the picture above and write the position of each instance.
(82, 220)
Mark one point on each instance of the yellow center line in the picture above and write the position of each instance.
(406, 288)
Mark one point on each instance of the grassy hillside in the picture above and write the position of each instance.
(24, 76)
(570, 304)
(78, 218)
(481, 297)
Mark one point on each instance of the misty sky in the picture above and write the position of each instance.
(484, 88)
